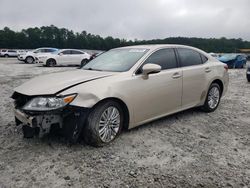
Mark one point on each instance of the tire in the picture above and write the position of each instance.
(29, 132)
(83, 62)
(95, 131)
(6, 55)
(29, 60)
(212, 103)
(248, 77)
(51, 63)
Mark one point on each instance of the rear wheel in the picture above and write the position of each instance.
(213, 98)
(248, 77)
(104, 123)
(51, 63)
(29, 60)
(83, 62)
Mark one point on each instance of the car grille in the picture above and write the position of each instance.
(20, 99)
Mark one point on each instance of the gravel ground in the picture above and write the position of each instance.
(188, 149)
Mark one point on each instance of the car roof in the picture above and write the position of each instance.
(47, 48)
(71, 49)
(156, 46)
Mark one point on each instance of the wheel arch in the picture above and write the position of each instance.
(29, 56)
(220, 83)
(51, 58)
(204, 94)
(124, 108)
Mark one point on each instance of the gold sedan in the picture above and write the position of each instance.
(122, 88)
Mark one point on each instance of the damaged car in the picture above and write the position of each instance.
(120, 89)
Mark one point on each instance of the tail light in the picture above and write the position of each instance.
(226, 67)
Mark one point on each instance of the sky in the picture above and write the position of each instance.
(133, 19)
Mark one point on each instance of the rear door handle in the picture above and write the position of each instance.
(208, 69)
(176, 75)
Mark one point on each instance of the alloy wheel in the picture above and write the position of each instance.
(109, 124)
(213, 97)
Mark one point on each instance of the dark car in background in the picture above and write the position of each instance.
(248, 73)
(234, 60)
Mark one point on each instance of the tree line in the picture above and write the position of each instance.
(52, 36)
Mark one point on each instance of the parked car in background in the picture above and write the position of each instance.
(9, 53)
(234, 60)
(248, 73)
(64, 57)
(215, 55)
(21, 52)
(122, 88)
(29, 57)
(2, 51)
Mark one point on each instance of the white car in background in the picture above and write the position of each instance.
(21, 52)
(64, 57)
(8, 53)
(30, 56)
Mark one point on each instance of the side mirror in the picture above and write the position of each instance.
(60, 54)
(150, 69)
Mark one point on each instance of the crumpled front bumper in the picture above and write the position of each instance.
(41, 123)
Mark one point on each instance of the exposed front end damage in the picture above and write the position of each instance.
(67, 121)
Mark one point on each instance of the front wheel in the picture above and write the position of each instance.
(213, 98)
(29, 60)
(6, 55)
(248, 77)
(83, 62)
(104, 123)
(51, 63)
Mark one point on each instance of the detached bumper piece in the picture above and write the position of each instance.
(68, 121)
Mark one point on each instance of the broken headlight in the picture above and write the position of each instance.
(48, 103)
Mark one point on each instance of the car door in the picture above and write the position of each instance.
(194, 76)
(161, 93)
(76, 57)
(64, 57)
(12, 53)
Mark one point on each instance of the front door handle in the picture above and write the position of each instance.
(176, 75)
(208, 69)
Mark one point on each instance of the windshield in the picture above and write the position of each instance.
(56, 52)
(117, 60)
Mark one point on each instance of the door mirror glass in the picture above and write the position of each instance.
(150, 69)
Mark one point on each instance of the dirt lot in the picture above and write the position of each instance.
(188, 149)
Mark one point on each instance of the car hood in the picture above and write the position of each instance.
(55, 83)
(28, 53)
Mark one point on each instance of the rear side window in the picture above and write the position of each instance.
(43, 50)
(164, 57)
(189, 57)
(66, 52)
(76, 52)
(51, 50)
(203, 58)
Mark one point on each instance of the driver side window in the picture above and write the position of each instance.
(164, 57)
